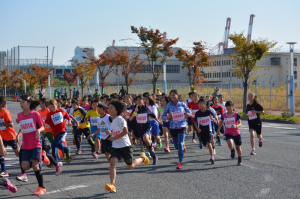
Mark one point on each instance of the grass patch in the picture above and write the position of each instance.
(283, 117)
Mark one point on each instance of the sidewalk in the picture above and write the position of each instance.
(272, 112)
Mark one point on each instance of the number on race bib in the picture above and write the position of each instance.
(2, 128)
(27, 126)
(252, 116)
(141, 118)
(57, 118)
(204, 121)
(229, 122)
(178, 116)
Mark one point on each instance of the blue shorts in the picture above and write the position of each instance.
(222, 129)
(32, 154)
(93, 130)
(11, 143)
(212, 127)
(166, 125)
(141, 134)
(105, 146)
(237, 139)
(154, 127)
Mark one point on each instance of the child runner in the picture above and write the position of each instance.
(176, 111)
(8, 134)
(204, 126)
(254, 110)
(121, 146)
(103, 124)
(166, 124)
(79, 114)
(5, 182)
(142, 115)
(154, 124)
(193, 106)
(213, 121)
(31, 124)
(189, 119)
(131, 125)
(219, 110)
(232, 121)
(55, 119)
(91, 118)
(43, 112)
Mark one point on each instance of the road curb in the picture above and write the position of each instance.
(273, 121)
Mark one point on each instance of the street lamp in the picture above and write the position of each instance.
(292, 103)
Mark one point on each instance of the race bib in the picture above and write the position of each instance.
(128, 114)
(2, 128)
(141, 118)
(57, 118)
(27, 126)
(116, 132)
(93, 121)
(204, 121)
(252, 116)
(194, 113)
(229, 122)
(178, 116)
(78, 118)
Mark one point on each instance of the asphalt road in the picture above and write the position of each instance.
(272, 173)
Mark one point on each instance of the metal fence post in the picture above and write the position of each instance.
(230, 88)
(270, 93)
(287, 92)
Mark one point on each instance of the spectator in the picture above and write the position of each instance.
(77, 94)
(66, 93)
(122, 91)
(74, 93)
(17, 95)
(89, 93)
(216, 92)
(96, 93)
(40, 95)
(62, 93)
(58, 93)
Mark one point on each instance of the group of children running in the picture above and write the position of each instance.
(113, 125)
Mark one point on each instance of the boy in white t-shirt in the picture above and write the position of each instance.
(121, 145)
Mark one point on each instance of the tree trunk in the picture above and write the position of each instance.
(245, 95)
(69, 91)
(81, 92)
(154, 85)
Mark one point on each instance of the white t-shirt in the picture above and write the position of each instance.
(154, 110)
(223, 105)
(89, 92)
(103, 123)
(117, 126)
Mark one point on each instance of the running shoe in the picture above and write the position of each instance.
(142, 150)
(179, 166)
(239, 162)
(220, 144)
(111, 188)
(45, 159)
(148, 155)
(83, 137)
(69, 160)
(167, 150)
(22, 178)
(146, 159)
(260, 143)
(184, 148)
(194, 141)
(64, 156)
(200, 145)
(253, 152)
(12, 188)
(4, 174)
(212, 160)
(232, 154)
(214, 151)
(95, 155)
(40, 191)
(155, 160)
(78, 152)
(154, 146)
(58, 168)
(159, 145)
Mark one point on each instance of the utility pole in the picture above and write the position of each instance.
(292, 97)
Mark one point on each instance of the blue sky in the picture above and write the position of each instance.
(66, 24)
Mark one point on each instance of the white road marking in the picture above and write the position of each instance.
(263, 192)
(16, 159)
(9, 165)
(67, 188)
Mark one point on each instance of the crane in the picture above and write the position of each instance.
(52, 55)
(250, 28)
(224, 44)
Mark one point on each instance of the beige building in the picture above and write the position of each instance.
(274, 67)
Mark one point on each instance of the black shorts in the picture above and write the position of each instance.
(189, 121)
(205, 137)
(237, 139)
(175, 132)
(11, 143)
(105, 145)
(136, 133)
(125, 153)
(256, 127)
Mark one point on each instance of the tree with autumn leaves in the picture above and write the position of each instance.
(194, 61)
(84, 71)
(156, 47)
(71, 78)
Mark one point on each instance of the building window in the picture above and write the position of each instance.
(58, 71)
(173, 69)
(295, 61)
(275, 61)
(295, 74)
